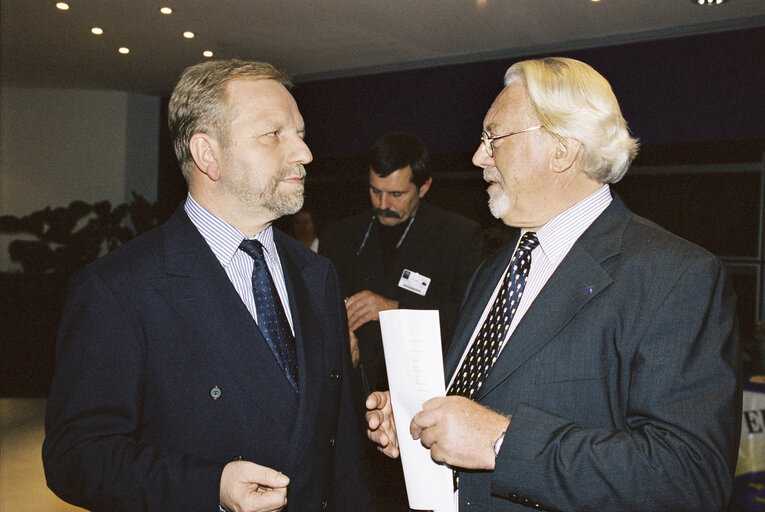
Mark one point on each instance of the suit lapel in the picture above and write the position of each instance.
(197, 287)
(579, 278)
(368, 265)
(478, 294)
(300, 280)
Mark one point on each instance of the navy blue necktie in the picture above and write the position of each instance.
(272, 320)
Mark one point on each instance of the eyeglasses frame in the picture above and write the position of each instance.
(488, 140)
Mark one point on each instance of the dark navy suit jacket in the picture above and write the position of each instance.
(162, 377)
(622, 378)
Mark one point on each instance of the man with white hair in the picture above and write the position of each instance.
(595, 365)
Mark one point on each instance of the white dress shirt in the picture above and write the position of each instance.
(556, 238)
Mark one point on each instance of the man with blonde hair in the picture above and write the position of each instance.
(595, 364)
(203, 365)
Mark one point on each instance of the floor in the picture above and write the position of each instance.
(22, 482)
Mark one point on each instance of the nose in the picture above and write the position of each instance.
(384, 201)
(300, 154)
(481, 157)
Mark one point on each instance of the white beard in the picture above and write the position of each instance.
(499, 204)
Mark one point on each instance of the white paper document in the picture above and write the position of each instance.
(412, 345)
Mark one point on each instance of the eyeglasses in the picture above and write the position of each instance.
(488, 140)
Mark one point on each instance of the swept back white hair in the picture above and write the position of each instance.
(572, 100)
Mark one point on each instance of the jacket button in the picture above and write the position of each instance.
(332, 441)
(324, 504)
(215, 393)
(334, 375)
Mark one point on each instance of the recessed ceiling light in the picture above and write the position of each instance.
(124, 50)
(97, 30)
(165, 10)
(63, 6)
(188, 34)
(708, 2)
(207, 53)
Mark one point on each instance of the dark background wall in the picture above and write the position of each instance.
(693, 99)
(690, 89)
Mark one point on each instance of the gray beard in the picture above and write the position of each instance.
(268, 197)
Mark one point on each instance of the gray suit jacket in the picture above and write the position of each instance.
(622, 378)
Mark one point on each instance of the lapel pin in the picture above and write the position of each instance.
(588, 289)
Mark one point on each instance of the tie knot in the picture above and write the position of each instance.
(528, 241)
(252, 247)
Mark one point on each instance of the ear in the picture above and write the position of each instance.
(425, 187)
(205, 150)
(564, 155)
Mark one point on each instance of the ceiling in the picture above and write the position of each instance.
(42, 46)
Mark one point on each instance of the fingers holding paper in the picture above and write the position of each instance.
(459, 431)
(382, 428)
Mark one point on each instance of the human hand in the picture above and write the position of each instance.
(355, 354)
(459, 431)
(365, 306)
(382, 429)
(249, 487)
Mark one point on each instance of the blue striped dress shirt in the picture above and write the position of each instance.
(224, 240)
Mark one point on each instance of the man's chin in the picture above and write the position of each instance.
(287, 204)
(499, 205)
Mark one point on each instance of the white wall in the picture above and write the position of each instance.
(58, 145)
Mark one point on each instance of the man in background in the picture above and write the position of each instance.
(403, 254)
(205, 364)
(304, 229)
(406, 254)
(596, 364)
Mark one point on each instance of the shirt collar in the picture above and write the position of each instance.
(222, 237)
(561, 232)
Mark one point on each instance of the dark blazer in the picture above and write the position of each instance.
(622, 378)
(441, 245)
(163, 377)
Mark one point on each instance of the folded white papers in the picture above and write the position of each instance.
(412, 345)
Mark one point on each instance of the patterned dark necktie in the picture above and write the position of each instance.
(485, 349)
(272, 320)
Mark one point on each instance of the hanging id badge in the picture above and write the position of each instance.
(414, 282)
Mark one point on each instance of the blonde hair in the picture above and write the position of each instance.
(572, 100)
(198, 102)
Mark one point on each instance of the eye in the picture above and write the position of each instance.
(273, 134)
(397, 194)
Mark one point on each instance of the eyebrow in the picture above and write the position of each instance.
(389, 191)
(489, 128)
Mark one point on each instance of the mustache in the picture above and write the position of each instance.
(387, 213)
(492, 174)
(297, 171)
